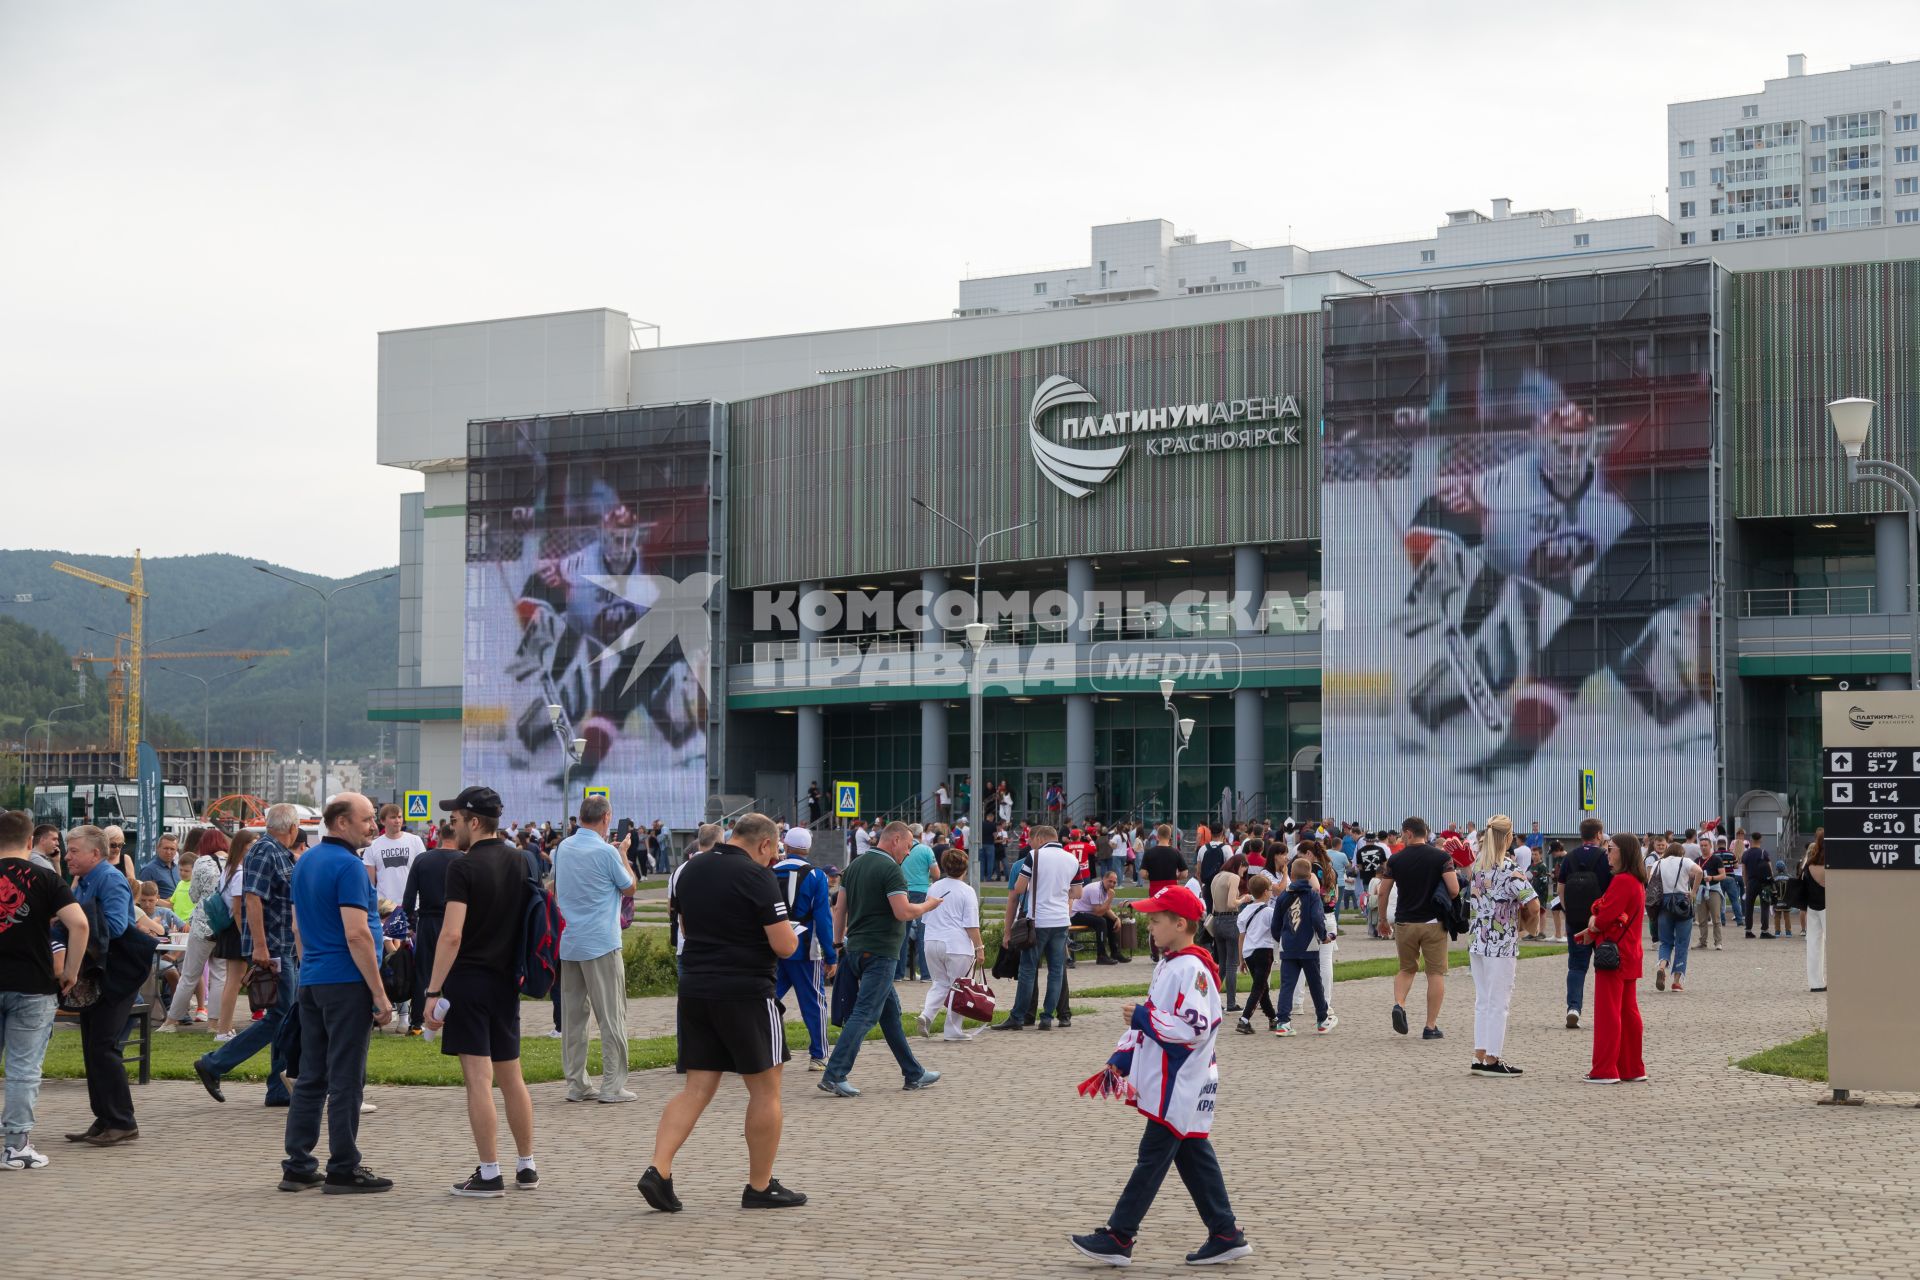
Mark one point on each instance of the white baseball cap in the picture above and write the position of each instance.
(798, 838)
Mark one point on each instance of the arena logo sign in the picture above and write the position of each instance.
(1216, 427)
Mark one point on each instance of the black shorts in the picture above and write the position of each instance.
(483, 1016)
(743, 1035)
(226, 945)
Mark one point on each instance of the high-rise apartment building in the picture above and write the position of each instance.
(1833, 151)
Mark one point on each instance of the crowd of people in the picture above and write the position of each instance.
(316, 932)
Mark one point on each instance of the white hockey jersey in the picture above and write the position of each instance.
(1165, 1065)
(1529, 531)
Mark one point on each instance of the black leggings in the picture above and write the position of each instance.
(1259, 968)
(1755, 908)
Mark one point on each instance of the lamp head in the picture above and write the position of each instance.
(1852, 418)
(976, 635)
(1166, 690)
(1186, 728)
(554, 712)
(579, 748)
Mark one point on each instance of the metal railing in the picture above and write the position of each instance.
(1805, 602)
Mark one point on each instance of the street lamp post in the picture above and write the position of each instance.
(51, 717)
(976, 748)
(1852, 419)
(326, 645)
(206, 721)
(976, 641)
(1182, 731)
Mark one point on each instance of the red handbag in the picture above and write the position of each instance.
(970, 998)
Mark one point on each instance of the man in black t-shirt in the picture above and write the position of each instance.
(1368, 859)
(1582, 876)
(476, 970)
(425, 905)
(32, 899)
(734, 920)
(1417, 871)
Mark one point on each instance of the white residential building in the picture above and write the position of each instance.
(1832, 151)
(1131, 261)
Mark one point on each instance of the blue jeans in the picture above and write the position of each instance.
(336, 1023)
(1579, 958)
(1054, 943)
(1676, 936)
(914, 946)
(1199, 1169)
(876, 1003)
(26, 1024)
(264, 1034)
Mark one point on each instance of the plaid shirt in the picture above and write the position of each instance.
(268, 874)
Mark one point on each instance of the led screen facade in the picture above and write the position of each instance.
(1517, 515)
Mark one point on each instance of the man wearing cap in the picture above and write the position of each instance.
(590, 878)
(809, 899)
(476, 970)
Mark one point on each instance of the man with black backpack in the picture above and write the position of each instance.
(1582, 876)
(474, 993)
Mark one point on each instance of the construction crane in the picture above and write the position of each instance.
(136, 594)
(117, 697)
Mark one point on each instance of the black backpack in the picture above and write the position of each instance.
(1581, 891)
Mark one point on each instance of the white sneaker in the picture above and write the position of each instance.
(222, 1037)
(554, 1034)
(22, 1158)
(166, 1028)
(624, 1095)
(816, 1064)
(1331, 1022)
(368, 1108)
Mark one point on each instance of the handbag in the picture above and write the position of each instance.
(1006, 962)
(970, 998)
(1606, 952)
(263, 986)
(1677, 901)
(1023, 933)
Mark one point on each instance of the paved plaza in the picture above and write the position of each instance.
(1357, 1154)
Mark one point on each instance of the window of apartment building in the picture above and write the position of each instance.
(1686, 237)
(1817, 196)
(1716, 145)
(1906, 155)
(1040, 289)
(1906, 215)
(1581, 240)
(1907, 123)
(1749, 112)
(1817, 224)
(1906, 186)
(1715, 206)
(1426, 255)
(1686, 177)
(1817, 164)
(1686, 208)
(1686, 149)
(1716, 175)
(1240, 267)
(1816, 133)
(1714, 235)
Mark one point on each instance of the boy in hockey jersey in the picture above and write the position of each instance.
(1300, 930)
(1166, 1070)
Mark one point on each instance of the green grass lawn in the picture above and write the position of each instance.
(411, 1060)
(1803, 1059)
(1349, 971)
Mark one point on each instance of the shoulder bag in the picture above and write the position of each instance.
(1023, 932)
(1677, 901)
(217, 910)
(1606, 952)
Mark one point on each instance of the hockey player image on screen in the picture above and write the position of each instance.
(578, 615)
(1501, 560)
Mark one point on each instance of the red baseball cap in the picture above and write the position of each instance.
(1175, 900)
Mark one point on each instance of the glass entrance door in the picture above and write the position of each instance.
(1033, 800)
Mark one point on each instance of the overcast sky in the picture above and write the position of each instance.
(210, 209)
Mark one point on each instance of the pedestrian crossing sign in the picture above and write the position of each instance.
(603, 792)
(1586, 791)
(846, 799)
(419, 806)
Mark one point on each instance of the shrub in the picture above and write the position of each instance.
(649, 963)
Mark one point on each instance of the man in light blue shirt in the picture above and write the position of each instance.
(918, 869)
(590, 877)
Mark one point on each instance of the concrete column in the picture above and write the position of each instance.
(1079, 781)
(933, 712)
(810, 734)
(1891, 573)
(1249, 708)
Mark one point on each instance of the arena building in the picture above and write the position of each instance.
(1510, 536)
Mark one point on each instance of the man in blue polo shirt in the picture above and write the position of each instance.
(341, 1000)
(100, 885)
(590, 877)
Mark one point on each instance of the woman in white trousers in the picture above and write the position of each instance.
(1500, 889)
(205, 879)
(952, 941)
(1813, 874)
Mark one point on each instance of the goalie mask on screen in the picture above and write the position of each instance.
(1566, 443)
(620, 537)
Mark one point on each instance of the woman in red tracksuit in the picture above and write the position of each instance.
(1616, 919)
